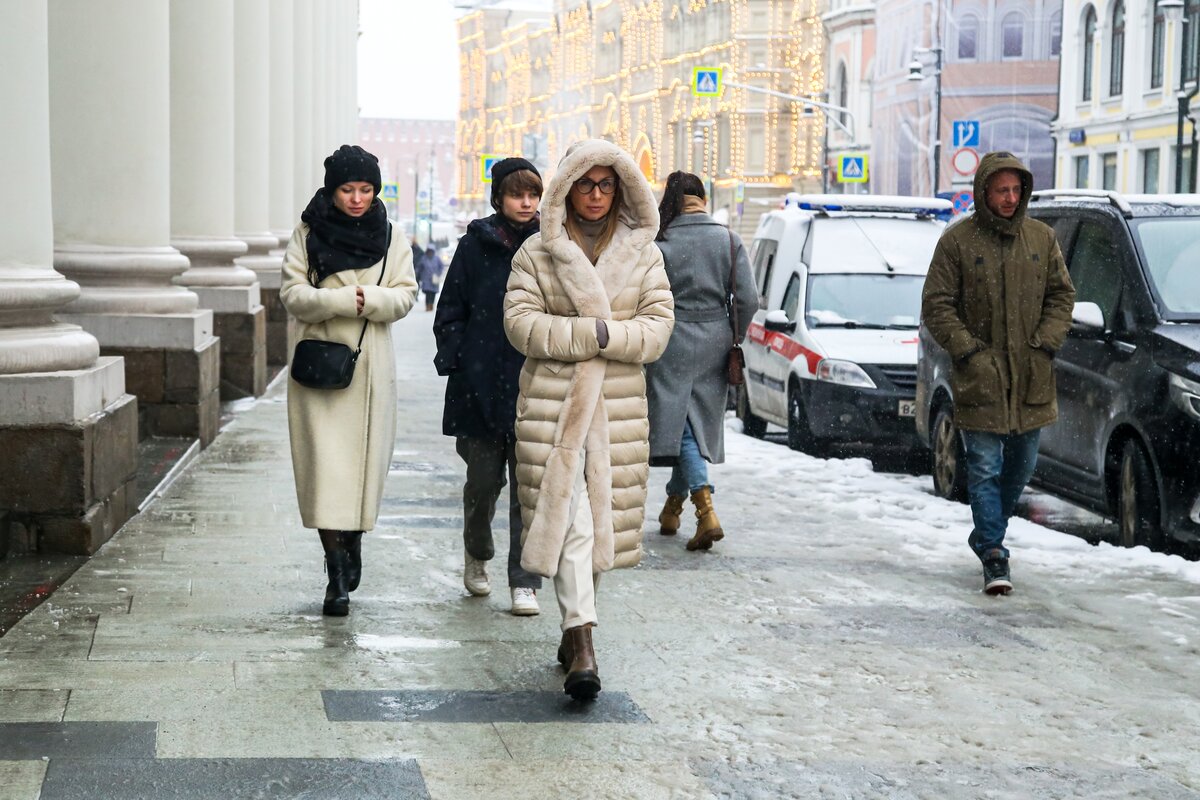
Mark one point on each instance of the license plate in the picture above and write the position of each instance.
(908, 408)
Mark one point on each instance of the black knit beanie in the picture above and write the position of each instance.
(351, 163)
(502, 169)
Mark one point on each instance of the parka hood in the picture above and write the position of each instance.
(989, 166)
(635, 201)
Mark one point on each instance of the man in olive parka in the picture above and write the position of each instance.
(998, 299)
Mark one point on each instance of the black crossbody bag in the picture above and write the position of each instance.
(319, 364)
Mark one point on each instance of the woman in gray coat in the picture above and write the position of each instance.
(686, 388)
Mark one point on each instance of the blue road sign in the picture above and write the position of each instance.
(966, 133)
(852, 168)
(706, 81)
(962, 201)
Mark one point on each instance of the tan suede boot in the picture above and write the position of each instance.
(583, 677)
(668, 520)
(708, 527)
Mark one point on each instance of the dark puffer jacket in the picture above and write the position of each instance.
(481, 395)
(999, 300)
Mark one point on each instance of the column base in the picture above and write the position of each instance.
(178, 390)
(67, 486)
(243, 353)
(280, 325)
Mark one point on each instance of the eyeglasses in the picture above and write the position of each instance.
(586, 185)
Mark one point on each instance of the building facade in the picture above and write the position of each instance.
(173, 146)
(417, 158)
(998, 62)
(1127, 90)
(535, 81)
(849, 69)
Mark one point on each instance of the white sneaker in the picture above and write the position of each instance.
(475, 576)
(524, 602)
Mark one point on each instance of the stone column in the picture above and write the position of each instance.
(322, 67)
(202, 189)
(251, 174)
(110, 149)
(283, 213)
(68, 430)
(306, 167)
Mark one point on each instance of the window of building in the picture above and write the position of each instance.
(1089, 52)
(1116, 67)
(1108, 172)
(1149, 161)
(968, 39)
(1187, 184)
(1191, 38)
(1081, 172)
(1056, 34)
(1157, 40)
(843, 92)
(1012, 36)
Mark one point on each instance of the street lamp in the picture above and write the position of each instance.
(1173, 12)
(916, 73)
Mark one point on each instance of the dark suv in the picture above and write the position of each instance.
(1127, 440)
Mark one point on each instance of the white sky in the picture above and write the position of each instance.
(407, 59)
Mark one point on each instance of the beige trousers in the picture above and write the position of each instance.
(575, 584)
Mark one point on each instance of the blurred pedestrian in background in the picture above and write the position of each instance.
(343, 267)
(429, 275)
(483, 369)
(687, 387)
(588, 303)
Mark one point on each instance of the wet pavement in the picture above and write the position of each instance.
(805, 656)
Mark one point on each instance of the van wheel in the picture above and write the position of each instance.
(799, 435)
(949, 460)
(751, 425)
(1137, 499)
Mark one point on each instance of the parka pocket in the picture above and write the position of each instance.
(1039, 378)
(977, 382)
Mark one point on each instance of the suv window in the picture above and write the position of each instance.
(1172, 248)
(791, 297)
(1095, 268)
(764, 260)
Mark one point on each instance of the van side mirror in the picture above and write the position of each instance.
(1087, 318)
(778, 321)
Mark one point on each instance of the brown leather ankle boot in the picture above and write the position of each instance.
(668, 520)
(708, 527)
(583, 678)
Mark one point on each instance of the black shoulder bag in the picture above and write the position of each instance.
(319, 364)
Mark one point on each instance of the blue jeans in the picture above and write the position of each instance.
(690, 472)
(998, 467)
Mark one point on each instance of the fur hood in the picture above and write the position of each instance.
(638, 214)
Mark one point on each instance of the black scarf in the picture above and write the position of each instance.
(337, 241)
(512, 235)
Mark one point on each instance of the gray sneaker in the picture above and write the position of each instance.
(475, 576)
(996, 578)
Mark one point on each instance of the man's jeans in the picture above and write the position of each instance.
(998, 467)
(690, 473)
(486, 459)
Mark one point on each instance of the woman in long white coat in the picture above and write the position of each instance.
(588, 303)
(344, 268)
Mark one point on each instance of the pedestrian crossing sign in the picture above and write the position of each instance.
(852, 168)
(485, 167)
(706, 81)
(390, 191)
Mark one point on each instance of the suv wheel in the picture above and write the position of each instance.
(949, 460)
(1137, 499)
(751, 425)
(799, 435)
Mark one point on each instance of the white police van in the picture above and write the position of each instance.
(832, 352)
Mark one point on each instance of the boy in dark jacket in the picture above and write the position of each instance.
(483, 370)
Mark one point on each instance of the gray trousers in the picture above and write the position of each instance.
(486, 460)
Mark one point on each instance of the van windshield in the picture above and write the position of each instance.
(1172, 248)
(858, 300)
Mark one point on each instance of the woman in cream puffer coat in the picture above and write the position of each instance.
(588, 303)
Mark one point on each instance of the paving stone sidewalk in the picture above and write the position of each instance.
(189, 659)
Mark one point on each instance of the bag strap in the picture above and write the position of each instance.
(733, 287)
(388, 246)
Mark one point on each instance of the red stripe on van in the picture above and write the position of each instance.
(783, 344)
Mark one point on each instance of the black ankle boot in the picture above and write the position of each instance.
(337, 564)
(352, 541)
